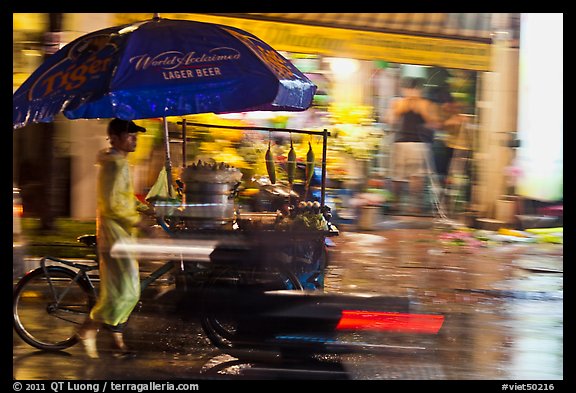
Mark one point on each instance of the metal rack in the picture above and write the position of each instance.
(324, 134)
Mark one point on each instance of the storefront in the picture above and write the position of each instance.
(358, 74)
(357, 71)
(477, 52)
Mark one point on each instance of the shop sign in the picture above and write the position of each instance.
(337, 42)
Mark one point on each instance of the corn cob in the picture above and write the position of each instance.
(309, 164)
(270, 165)
(291, 164)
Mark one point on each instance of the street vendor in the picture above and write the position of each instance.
(118, 218)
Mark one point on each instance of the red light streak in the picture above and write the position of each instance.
(390, 321)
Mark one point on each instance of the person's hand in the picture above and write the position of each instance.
(150, 212)
(454, 120)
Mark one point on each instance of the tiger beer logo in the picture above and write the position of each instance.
(87, 59)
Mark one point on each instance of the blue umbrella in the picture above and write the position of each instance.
(158, 68)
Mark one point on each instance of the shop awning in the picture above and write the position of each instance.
(466, 26)
(436, 39)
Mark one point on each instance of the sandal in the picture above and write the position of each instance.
(122, 350)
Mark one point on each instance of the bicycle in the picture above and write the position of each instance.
(246, 302)
(51, 301)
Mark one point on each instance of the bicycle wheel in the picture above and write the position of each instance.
(221, 328)
(47, 312)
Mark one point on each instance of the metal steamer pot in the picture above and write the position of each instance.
(209, 205)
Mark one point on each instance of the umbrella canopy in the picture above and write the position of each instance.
(158, 68)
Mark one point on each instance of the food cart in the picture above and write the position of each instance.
(291, 240)
(252, 251)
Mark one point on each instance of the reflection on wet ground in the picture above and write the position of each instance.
(502, 302)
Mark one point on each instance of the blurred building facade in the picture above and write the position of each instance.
(375, 49)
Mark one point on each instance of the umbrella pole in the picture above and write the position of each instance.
(324, 149)
(168, 160)
(183, 143)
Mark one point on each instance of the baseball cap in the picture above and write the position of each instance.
(118, 126)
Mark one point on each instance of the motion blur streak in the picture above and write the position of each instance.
(390, 321)
(195, 249)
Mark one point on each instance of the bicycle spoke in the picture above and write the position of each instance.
(66, 314)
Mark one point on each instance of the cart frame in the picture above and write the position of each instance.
(184, 123)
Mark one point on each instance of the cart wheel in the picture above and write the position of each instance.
(222, 328)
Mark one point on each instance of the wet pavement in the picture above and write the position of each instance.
(502, 303)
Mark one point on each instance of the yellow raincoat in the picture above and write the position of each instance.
(116, 219)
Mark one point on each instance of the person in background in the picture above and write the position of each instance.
(458, 141)
(118, 220)
(414, 118)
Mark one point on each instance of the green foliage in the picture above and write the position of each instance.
(61, 241)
